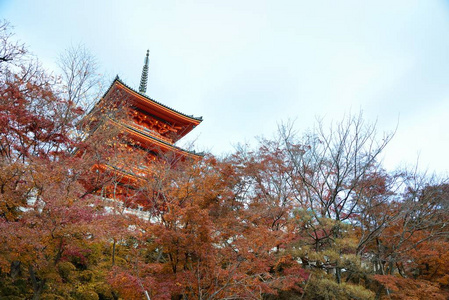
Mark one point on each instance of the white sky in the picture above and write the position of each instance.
(247, 65)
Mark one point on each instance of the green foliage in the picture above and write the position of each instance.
(86, 276)
(325, 288)
(86, 295)
(53, 297)
(14, 288)
(12, 298)
(66, 270)
(9, 289)
(103, 290)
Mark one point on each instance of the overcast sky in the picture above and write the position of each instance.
(247, 65)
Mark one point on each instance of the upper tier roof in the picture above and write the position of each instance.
(153, 107)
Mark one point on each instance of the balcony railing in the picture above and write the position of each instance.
(149, 132)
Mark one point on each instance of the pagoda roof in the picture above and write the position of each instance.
(145, 104)
(157, 103)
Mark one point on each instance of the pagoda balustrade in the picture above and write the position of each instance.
(148, 131)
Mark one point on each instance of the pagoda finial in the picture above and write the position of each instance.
(144, 78)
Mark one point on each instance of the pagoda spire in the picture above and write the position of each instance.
(144, 78)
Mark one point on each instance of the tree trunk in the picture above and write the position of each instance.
(338, 274)
(113, 252)
(37, 285)
(15, 269)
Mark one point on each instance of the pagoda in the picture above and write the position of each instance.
(142, 123)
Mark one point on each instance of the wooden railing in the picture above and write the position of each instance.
(150, 132)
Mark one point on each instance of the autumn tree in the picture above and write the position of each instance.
(47, 226)
(203, 241)
(412, 244)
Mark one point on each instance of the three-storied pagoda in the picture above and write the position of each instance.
(148, 125)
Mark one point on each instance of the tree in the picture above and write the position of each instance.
(10, 50)
(82, 84)
(328, 169)
(412, 244)
(201, 240)
(45, 222)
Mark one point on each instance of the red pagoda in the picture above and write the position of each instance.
(145, 124)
